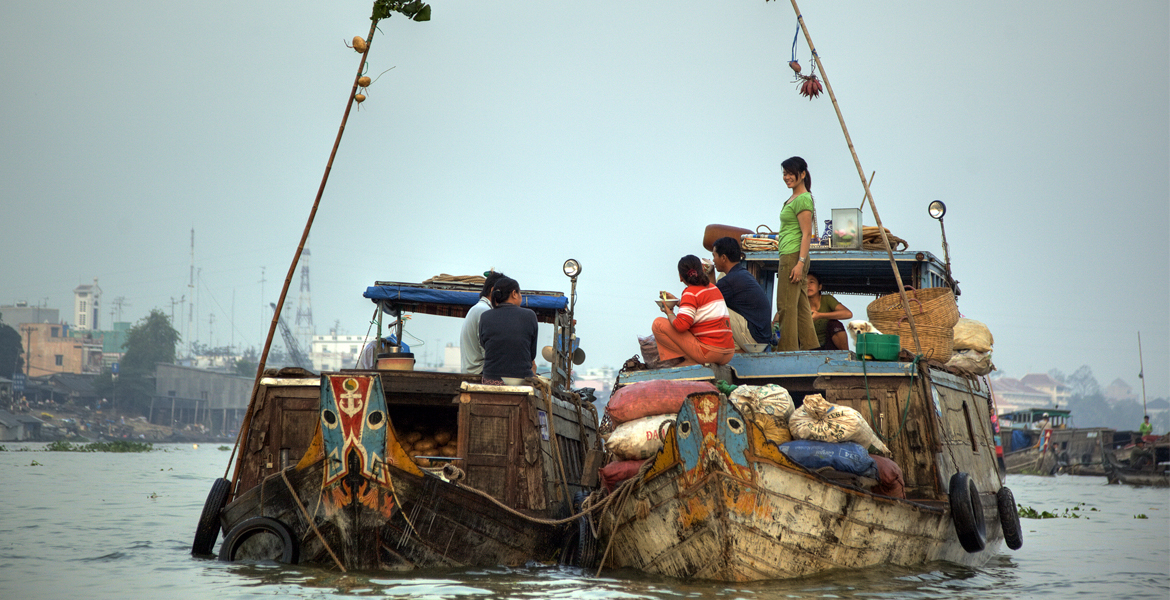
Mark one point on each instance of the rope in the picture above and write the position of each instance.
(795, 36)
(311, 523)
(623, 493)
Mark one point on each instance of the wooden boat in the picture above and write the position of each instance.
(1144, 465)
(324, 476)
(720, 502)
(1061, 449)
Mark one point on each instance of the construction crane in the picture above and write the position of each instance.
(295, 354)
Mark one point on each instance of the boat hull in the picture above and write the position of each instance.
(418, 521)
(740, 510)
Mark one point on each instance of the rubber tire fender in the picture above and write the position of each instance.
(580, 547)
(1009, 518)
(242, 532)
(967, 513)
(208, 528)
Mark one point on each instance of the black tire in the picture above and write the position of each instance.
(1062, 459)
(208, 529)
(967, 513)
(580, 548)
(279, 545)
(1009, 518)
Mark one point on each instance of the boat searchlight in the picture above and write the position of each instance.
(937, 209)
(572, 268)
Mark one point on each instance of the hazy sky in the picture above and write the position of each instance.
(516, 135)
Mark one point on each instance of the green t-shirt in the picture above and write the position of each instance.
(1146, 428)
(789, 235)
(828, 304)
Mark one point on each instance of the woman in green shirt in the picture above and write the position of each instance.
(793, 312)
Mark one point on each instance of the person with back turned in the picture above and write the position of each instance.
(470, 351)
(507, 333)
(748, 307)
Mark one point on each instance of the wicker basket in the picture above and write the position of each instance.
(930, 306)
(937, 342)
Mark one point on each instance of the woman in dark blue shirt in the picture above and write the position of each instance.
(508, 335)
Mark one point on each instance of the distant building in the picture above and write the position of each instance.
(1059, 393)
(16, 428)
(1118, 391)
(334, 352)
(184, 395)
(1012, 395)
(86, 299)
(114, 343)
(15, 315)
(56, 348)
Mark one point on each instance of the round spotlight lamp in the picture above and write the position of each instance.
(572, 268)
(937, 209)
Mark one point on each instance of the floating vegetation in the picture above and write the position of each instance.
(1141, 516)
(224, 448)
(1027, 512)
(115, 446)
(35, 464)
(3, 449)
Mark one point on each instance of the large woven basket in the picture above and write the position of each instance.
(938, 343)
(930, 306)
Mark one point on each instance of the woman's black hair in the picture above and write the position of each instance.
(796, 166)
(729, 247)
(503, 290)
(488, 283)
(690, 269)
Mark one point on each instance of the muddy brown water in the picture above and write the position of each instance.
(103, 525)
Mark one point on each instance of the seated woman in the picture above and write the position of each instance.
(827, 315)
(701, 331)
(507, 333)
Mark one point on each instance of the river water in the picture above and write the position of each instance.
(104, 525)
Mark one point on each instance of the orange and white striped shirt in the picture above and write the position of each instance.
(702, 311)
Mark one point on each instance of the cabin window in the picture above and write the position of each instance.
(54, 331)
(970, 429)
(60, 359)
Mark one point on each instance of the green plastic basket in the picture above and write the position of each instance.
(874, 346)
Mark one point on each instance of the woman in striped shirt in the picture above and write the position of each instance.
(700, 332)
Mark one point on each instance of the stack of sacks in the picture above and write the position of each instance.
(768, 406)
(638, 411)
(973, 342)
(822, 421)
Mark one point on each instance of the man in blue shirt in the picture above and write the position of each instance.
(749, 307)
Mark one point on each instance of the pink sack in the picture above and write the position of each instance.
(617, 472)
(657, 397)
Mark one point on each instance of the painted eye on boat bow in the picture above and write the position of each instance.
(329, 418)
(684, 429)
(735, 425)
(376, 420)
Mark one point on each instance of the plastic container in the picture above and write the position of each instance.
(874, 346)
(396, 361)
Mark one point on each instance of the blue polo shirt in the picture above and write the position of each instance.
(743, 294)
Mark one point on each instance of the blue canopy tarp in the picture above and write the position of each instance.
(449, 302)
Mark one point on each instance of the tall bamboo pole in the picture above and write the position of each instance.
(1142, 373)
(864, 183)
(292, 268)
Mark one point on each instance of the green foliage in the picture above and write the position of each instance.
(149, 342)
(3, 449)
(1141, 516)
(11, 348)
(224, 448)
(415, 10)
(118, 446)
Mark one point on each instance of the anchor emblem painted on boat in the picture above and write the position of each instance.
(351, 400)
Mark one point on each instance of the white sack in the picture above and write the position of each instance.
(637, 439)
(973, 335)
(822, 421)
